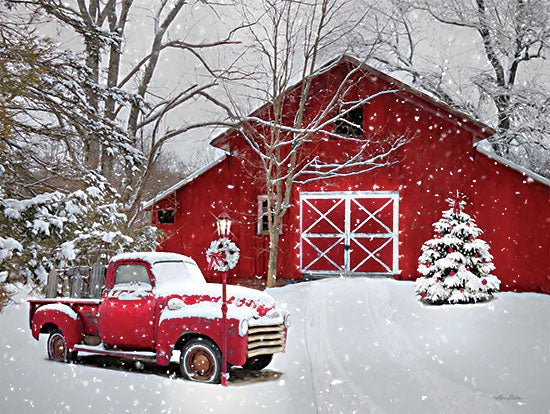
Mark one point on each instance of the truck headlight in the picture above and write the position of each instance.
(287, 321)
(243, 327)
(175, 304)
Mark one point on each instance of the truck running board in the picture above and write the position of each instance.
(114, 352)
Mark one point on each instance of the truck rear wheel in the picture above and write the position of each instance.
(201, 361)
(57, 348)
(258, 362)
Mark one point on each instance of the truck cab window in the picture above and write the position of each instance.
(131, 274)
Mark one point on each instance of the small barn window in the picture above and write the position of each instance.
(262, 216)
(165, 216)
(351, 123)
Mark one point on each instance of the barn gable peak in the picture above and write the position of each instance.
(478, 129)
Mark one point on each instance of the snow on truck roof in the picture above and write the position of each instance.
(152, 257)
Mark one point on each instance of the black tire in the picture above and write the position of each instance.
(57, 348)
(258, 362)
(201, 361)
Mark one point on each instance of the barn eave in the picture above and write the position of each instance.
(480, 147)
(183, 182)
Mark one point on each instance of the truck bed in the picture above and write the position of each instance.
(86, 309)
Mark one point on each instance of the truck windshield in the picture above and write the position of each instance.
(170, 274)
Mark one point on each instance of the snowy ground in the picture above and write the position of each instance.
(356, 345)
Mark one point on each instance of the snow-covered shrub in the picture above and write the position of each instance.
(456, 264)
(58, 226)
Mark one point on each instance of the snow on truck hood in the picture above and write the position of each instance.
(205, 301)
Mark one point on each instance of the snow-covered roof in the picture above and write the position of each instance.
(151, 257)
(183, 182)
(484, 147)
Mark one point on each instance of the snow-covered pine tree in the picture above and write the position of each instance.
(455, 265)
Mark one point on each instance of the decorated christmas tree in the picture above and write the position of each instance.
(456, 264)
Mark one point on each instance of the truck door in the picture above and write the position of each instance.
(126, 315)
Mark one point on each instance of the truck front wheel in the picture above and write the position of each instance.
(201, 361)
(57, 348)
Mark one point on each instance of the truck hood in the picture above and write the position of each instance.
(204, 301)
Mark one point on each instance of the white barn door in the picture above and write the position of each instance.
(351, 233)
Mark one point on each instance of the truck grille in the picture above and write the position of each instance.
(265, 339)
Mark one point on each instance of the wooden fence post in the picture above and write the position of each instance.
(77, 285)
(51, 287)
(97, 280)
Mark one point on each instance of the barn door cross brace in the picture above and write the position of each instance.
(372, 215)
(323, 216)
(372, 255)
(323, 254)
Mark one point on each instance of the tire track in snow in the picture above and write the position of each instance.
(448, 395)
(331, 382)
(308, 320)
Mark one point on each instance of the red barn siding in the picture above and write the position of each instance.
(514, 212)
(439, 161)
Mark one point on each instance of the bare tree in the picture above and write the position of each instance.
(127, 113)
(511, 35)
(289, 40)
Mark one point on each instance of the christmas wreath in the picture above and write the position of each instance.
(222, 255)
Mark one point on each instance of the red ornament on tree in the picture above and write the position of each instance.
(475, 255)
(452, 273)
(484, 282)
(468, 269)
(450, 249)
(461, 290)
(436, 280)
(471, 238)
(427, 264)
(423, 294)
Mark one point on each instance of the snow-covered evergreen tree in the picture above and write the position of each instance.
(456, 264)
(60, 226)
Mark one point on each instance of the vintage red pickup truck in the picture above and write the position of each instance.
(156, 303)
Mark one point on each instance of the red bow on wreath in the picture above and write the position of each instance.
(215, 256)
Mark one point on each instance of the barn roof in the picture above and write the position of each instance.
(483, 130)
(401, 86)
(482, 146)
(181, 183)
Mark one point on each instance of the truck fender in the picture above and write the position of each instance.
(60, 316)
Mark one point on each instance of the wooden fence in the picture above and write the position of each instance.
(77, 281)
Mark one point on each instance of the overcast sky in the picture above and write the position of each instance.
(458, 50)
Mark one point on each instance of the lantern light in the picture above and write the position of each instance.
(223, 224)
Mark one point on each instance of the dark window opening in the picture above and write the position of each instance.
(351, 123)
(263, 226)
(165, 216)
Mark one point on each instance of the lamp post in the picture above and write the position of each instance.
(223, 225)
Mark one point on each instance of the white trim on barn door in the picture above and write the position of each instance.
(345, 232)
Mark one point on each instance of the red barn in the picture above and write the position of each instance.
(371, 223)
